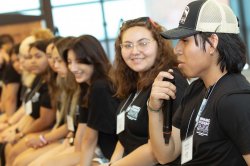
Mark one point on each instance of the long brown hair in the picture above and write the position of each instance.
(69, 88)
(88, 50)
(125, 79)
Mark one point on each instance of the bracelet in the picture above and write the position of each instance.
(109, 164)
(151, 109)
(42, 139)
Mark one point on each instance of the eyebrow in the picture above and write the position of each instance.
(137, 40)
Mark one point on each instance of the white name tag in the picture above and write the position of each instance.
(187, 150)
(28, 107)
(120, 125)
(70, 123)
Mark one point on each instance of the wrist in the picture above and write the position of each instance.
(152, 109)
(43, 139)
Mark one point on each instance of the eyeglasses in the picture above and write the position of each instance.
(140, 45)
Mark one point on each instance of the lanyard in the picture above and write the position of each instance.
(135, 96)
(201, 109)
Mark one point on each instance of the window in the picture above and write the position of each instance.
(118, 11)
(69, 2)
(78, 20)
(7, 6)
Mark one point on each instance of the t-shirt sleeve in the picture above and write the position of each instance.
(102, 108)
(83, 115)
(45, 97)
(11, 76)
(234, 118)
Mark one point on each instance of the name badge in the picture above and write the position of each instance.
(70, 123)
(28, 107)
(187, 150)
(120, 125)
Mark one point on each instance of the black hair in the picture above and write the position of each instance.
(40, 44)
(15, 49)
(232, 50)
(6, 38)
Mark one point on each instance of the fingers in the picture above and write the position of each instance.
(164, 74)
(162, 90)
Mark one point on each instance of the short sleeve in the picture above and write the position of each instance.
(234, 118)
(83, 115)
(11, 75)
(102, 108)
(45, 97)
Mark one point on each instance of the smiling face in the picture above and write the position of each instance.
(139, 49)
(82, 72)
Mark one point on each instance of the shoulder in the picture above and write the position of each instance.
(101, 85)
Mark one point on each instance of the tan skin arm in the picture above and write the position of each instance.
(141, 156)
(247, 159)
(118, 152)
(89, 143)
(164, 153)
(46, 119)
(79, 135)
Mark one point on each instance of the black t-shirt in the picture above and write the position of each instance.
(83, 112)
(83, 115)
(136, 131)
(222, 134)
(11, 76)
(101, 115)
(39, 95)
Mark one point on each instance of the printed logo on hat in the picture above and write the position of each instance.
(184, 15)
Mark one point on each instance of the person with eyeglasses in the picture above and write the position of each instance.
(141, 54)
(212, 124)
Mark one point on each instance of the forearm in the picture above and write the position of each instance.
(10, 106)
(141, 156)
(163, 152)
(45, 120)
(118, 152)
(37, 125)
(89, 144)
(57, 133)
(17, 115)
(79, 136)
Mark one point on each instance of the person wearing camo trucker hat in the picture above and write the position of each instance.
(212, 124)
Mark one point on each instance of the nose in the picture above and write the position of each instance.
(135, 49)
(178, 48)
(73, 67)
(55, 64)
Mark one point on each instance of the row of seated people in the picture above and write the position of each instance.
(80, 109)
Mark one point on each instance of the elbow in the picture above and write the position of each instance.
(164, 157)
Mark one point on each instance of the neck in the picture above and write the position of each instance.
(212, 78)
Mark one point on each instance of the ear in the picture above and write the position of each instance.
(214, 39)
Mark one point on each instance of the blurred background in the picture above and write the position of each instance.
(100, 18)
